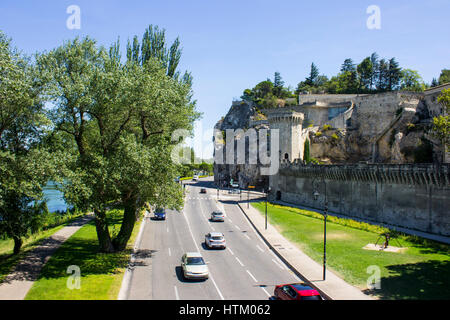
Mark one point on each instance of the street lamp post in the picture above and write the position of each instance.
(325, 215)
(267, 192)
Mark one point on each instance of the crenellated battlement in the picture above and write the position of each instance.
(408, 174)
(286, 116)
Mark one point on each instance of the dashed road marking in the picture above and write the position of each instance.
(176, 293)
(242, 265)
(269, 295)
(254, 279)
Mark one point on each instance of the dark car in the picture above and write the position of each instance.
(202, 190)
(296, 291)
(160, 214)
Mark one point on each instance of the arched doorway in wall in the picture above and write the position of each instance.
(278, 195)
(286, 156)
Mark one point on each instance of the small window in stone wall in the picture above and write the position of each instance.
(286, 156)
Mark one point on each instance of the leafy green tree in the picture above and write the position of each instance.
(444, 77)
(411, 81)
(348, 66)
(374, 59)
(121, 117)
(441, 124)
(365, 73)
(382, 83)
(394, 75)
(25, 166)
(263, 88)
(311, 80)
(434, 82)
(306, 152)
(278, 84)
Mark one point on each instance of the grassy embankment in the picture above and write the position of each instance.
(101, 274)
(8, 261)
(421, 271)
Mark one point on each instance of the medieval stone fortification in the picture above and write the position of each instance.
(382, 163)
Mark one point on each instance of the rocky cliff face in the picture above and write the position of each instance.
(390, 127)
(244, 116)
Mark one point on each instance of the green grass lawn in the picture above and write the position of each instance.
(422, 271)
(101, 274)
(8, 261)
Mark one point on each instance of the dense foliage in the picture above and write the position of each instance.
(106, 130)
(371, 75)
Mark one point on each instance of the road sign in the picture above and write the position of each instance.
(251, 187)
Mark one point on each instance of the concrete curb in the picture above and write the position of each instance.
(125, 287)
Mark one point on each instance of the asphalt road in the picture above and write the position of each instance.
(246, 270)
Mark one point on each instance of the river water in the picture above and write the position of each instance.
(54, 198)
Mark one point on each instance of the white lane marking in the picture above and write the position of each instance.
(279, 266)
(170, 253)
(281, 263)
(230, 220)
(237, 227)
(252, 276)
(195, 243)
(239, 262)
(260, 249)
(167, 229)
(247, 237)
(176, 293)
(269, 295)
(231, 251)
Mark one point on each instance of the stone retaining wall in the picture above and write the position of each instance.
(410, 196)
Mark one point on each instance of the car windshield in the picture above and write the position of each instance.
(195, 261)
(217, 238)
(159, 210)
(217, 213)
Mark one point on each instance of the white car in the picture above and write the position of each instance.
(217, 216)
(215, 240)
(193, 266)
(195, 178)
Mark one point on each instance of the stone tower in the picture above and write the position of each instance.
(289, 123)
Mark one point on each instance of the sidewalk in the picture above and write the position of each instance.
(333, 287)
(17, 284)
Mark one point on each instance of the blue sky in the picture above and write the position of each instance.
(232, 45)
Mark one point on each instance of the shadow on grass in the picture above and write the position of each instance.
(425, 281)
(83, 251)
(84, 254)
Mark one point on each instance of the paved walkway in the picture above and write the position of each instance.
(17, 284)
(333, 287)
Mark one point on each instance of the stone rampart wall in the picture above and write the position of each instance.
(410, 196)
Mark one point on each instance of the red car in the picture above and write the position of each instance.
(296, 291)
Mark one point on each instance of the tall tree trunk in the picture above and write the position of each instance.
(17, 245)
(101, 225)
(130, 215)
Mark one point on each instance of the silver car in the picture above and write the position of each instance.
(217, 216)
(215, 240)
(193, 266)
